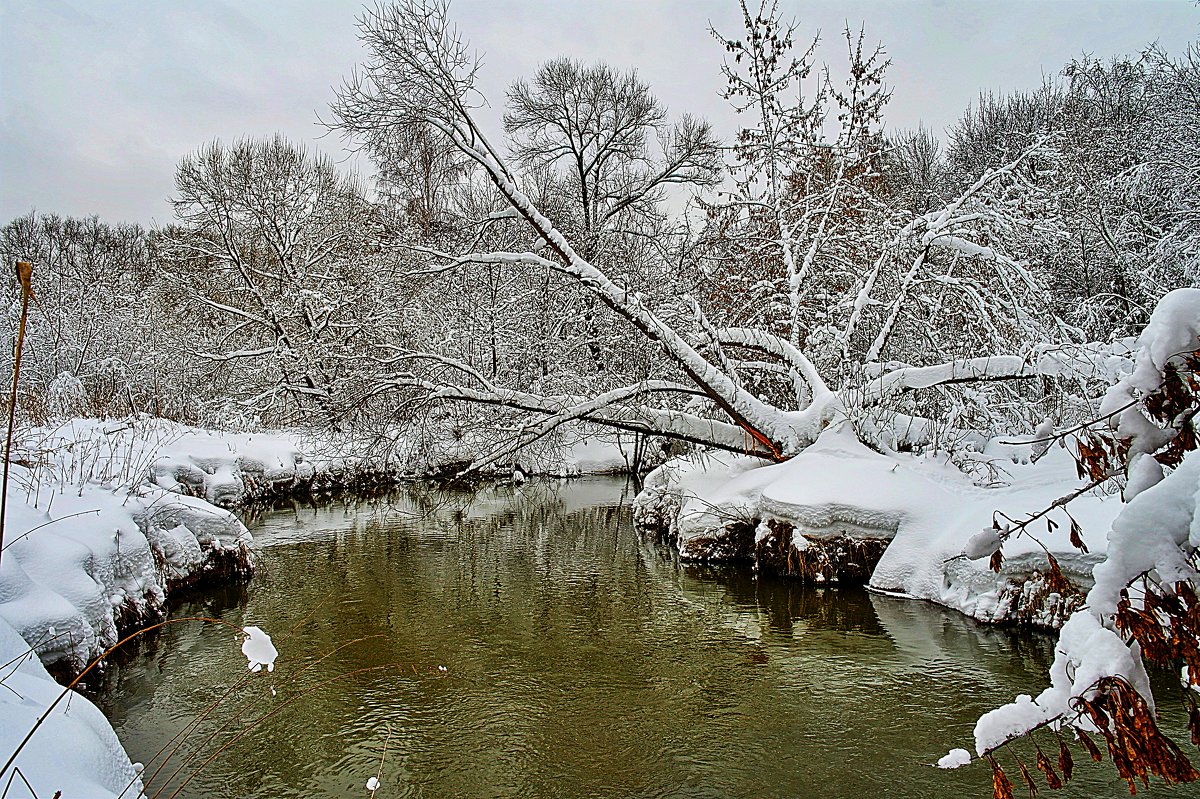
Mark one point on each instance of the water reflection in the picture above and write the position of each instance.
(581, 661)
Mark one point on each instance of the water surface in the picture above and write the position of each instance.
(526, 643)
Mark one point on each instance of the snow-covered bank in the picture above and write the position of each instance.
(920, 510)
(93, 765)
(106, 516)
(230, 468)
(96, 534)
(84, 561)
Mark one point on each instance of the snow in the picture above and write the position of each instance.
(589, 453)
(81, 556)
(226, 468)
(1086, 652)
(912, 377)
(1156, 535)
(983, 544)
(258, 649)
(955, 758)
(1153, 534)
(1173, 330)
(75, 750)
(928, 509)
(694, 496)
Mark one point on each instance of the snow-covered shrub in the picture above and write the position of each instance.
(65, 396)
(1144, 606)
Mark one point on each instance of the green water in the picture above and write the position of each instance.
(580, 661)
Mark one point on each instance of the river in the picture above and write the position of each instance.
(525, 642)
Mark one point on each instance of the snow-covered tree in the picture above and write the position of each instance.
(802, 210)
(98, 341)
(420, 73)
(277, 250)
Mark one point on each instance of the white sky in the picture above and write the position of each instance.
(98, 100)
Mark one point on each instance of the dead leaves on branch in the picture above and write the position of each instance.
(1163, 620)
(1165, 624)
(1100, 455)
(1174, 405)
(1136, 747)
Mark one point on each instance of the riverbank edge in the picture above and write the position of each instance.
(111, 518)
(842, 560)
(171, 492)
(842, 514)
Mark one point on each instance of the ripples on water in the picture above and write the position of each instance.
(580, 662)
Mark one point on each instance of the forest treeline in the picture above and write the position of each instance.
(818, 253)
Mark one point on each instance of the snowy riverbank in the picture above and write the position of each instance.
(94, 540)
(75, 750)
(919, 511)
(105, 517)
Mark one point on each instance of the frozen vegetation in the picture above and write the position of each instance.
(959, 371)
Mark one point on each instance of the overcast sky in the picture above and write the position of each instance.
(98, 100)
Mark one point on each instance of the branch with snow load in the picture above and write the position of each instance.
(1145, 602)
(969, 370)
(421, 74)
(774, 434)
(1091, 361)
(792, 357)
(605, 409)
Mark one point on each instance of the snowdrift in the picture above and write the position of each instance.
(93, 765)
(920, 511)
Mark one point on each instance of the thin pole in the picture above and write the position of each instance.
(25, 277)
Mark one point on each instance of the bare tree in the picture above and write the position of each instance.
(600, 127)
(275, 246)
(420, 73)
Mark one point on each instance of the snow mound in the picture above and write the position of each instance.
(227, 468)
(75, 751)
(928, 510)
(92, 548)
(690, 497)
(258, 649)
(87, 560)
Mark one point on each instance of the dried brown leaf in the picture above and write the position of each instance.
(1002, 787)
(1090, 746)
(1066, 764)
(1077, 537)
(1043, 765)
(1028, 779)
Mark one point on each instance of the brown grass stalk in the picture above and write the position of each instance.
(25, 276)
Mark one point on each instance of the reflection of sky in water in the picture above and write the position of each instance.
(582, 662)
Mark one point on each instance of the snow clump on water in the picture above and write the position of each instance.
(955, 758)
(258, 649)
